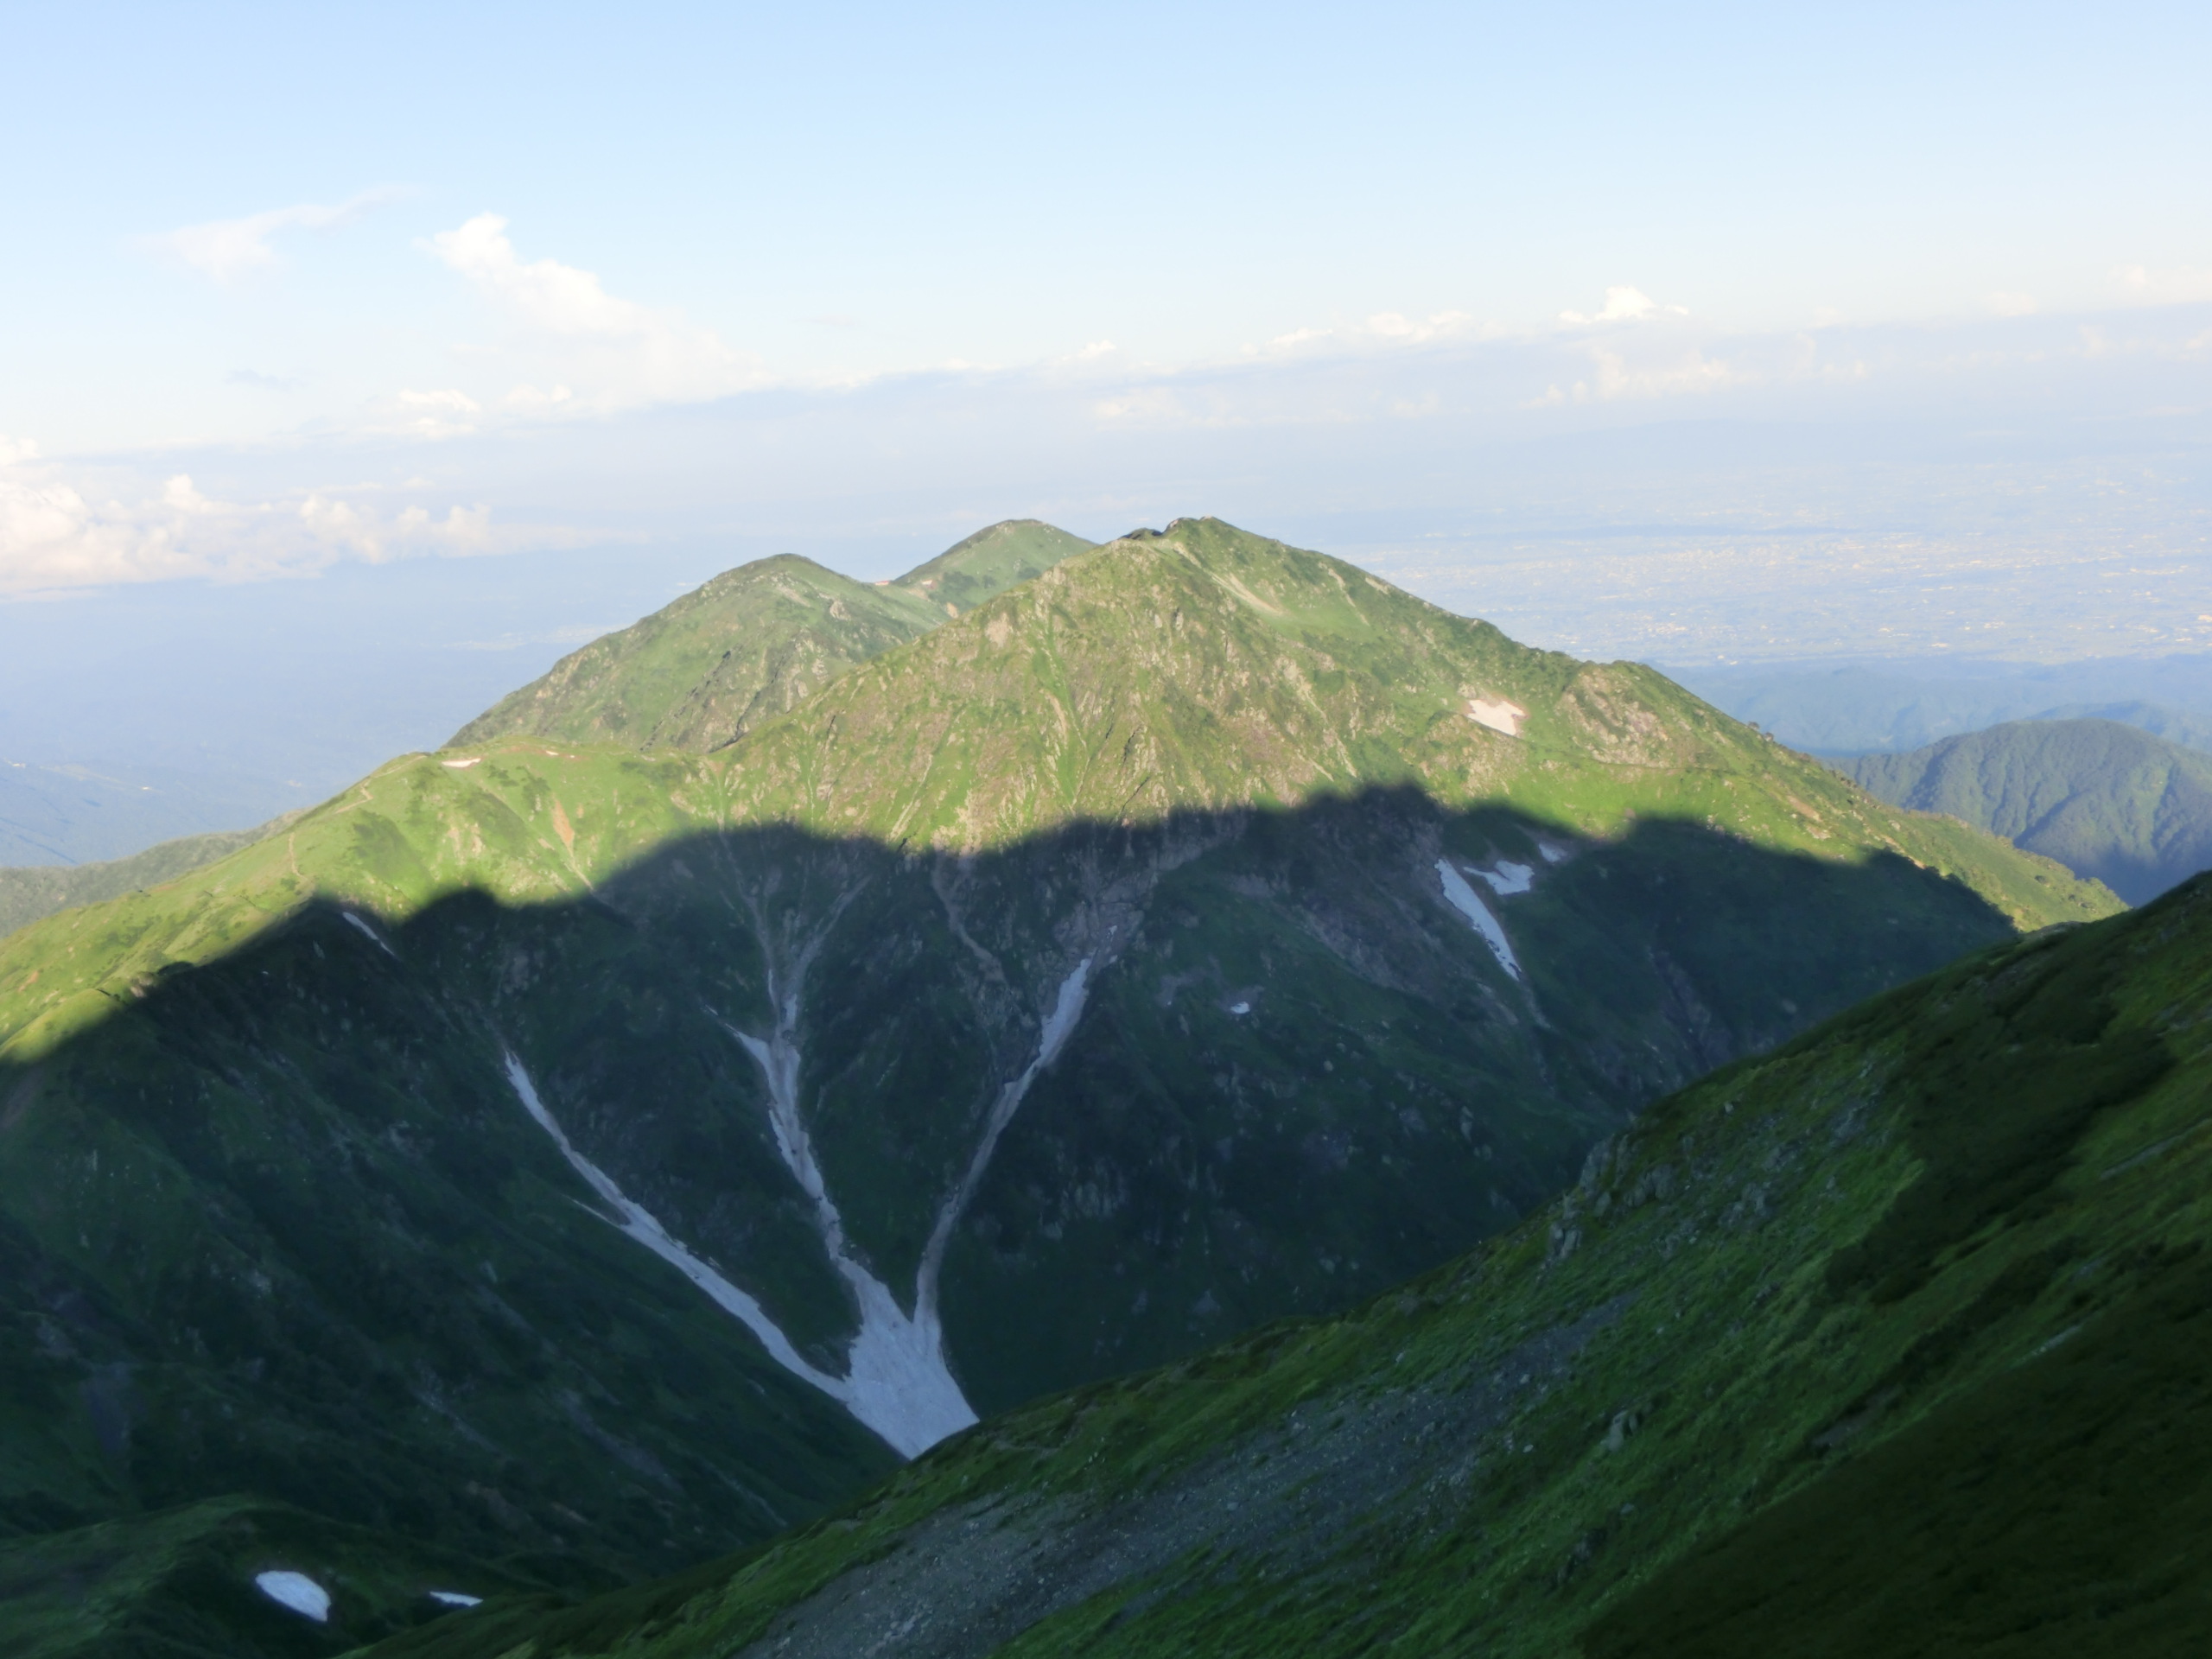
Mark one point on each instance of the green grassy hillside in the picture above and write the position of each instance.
(1886, 1344)
(991, 561)
(702, 673)
(754, 642)
(1199, 933)
(30, 891)
(2111, 803)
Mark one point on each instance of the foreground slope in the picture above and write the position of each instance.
(753, 642)
(1889, 1342)
(2111, 803)
(583, 1158)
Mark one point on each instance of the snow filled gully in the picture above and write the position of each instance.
(1469, 904)
(898, 1382)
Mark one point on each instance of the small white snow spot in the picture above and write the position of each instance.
(461, 765)
(1497, 714)
(1240, 1007)
(1508, 878)
(455, 1599)
(1552, 855)
(297, 1592)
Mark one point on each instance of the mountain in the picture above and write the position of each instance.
(2110, 802)
(1888, 1342)
(29, 892)
(753, 642)
(584, 1160)
(991, 561)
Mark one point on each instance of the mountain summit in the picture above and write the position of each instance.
(752, 643)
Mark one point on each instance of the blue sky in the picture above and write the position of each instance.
(292, 286)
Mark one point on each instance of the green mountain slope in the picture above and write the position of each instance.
(751, 643)
(30, 891)
(1199, 933)
(1889, 1342)
(702, 671)
(991, 561)
(2109, 801)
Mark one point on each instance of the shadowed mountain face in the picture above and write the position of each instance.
(584, 1157)
(2111, 803)
(1889, 1342)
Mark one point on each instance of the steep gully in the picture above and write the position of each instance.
(898, 1382)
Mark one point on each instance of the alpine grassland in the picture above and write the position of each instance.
(755, 641)
(587, 1155)
(29, 892)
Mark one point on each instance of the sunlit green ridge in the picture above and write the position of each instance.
(756, 641)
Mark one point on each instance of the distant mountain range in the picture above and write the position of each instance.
(2110, 802)
(1859, 707)
(570, 1155)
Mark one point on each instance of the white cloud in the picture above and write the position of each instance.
(605, 351)
(442, 413)
(2163, 287)
(54, 537)
(1625, 304)
(226, 248)
(1445, 325)
(2005, 304)
(1692, 372)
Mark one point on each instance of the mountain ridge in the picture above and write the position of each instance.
(753, 642)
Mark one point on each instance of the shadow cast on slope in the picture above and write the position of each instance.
(289, 1232)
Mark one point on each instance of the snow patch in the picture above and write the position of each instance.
(897, 1381)
(1551, 855)
(1464, 901)
(461, 765)
(455, 1599)
(1240, 1007)
(640, 1225)
(1067, 1009)
(374, 937)
(1507, 877)
(297, 1592)
(1497, 714)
